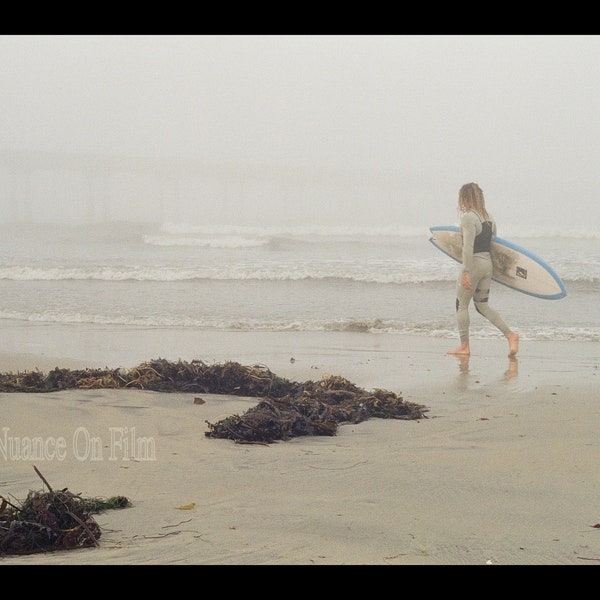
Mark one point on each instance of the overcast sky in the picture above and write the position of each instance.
(517, 114)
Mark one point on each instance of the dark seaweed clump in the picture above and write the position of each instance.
(315, 408)
(52, 520)
(287, 408)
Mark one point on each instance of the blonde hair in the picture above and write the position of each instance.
(470, 197)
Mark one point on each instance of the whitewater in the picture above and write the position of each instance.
(306, 278)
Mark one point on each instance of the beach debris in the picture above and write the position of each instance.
(315, 408)
(186, 506)
(156, 375)
(52, 520)
(287, 408)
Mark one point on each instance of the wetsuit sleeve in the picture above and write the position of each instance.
(468, 228)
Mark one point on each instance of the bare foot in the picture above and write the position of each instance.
(513, 344)
(461, 351)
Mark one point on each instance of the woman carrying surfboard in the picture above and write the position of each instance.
(475, 277)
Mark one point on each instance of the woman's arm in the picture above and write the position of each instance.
(468, 228)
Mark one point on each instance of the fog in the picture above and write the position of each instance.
(278, 129)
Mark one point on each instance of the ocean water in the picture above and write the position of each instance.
(265, 279)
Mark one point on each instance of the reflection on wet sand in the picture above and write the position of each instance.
(513, 368)
(511, 372)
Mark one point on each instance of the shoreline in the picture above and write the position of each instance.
(377, 360)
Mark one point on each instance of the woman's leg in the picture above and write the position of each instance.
(463, 298)
(481, 303)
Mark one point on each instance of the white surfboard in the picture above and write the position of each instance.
(514, 266)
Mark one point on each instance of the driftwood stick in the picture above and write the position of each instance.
(43, 479)
(6, 502)
(87, 529)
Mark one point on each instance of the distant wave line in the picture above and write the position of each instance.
(214, 274)
(340, 231)
(293, 230)
(368, 326)
(211, 242)
(365, 274)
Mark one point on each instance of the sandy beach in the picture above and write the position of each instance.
(504, 469)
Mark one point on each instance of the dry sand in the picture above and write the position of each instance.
(504, 471)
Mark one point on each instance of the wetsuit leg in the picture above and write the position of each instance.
(463, 298)
(481, 296)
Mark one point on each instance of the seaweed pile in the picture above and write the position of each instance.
(52, 520)
(316, 408)
(156, 375)
(287, 409)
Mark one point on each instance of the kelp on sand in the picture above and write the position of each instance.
(52, 520)
(287, 408)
